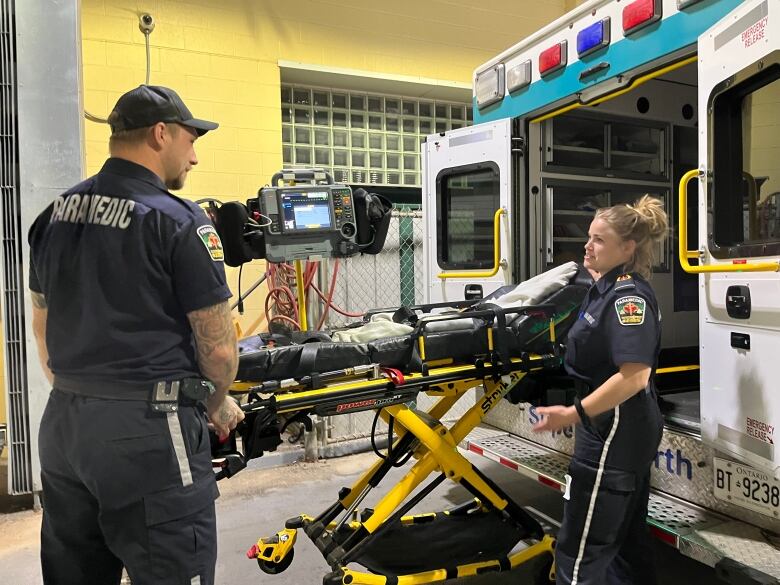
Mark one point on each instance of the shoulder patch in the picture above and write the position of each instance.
(624, 281)
(208, 235)
(630, 310)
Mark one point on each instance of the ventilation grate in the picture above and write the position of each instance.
(20, 480)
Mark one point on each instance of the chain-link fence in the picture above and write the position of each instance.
(392, 278)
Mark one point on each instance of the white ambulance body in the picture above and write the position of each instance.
(612, 101)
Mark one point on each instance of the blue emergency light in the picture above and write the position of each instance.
(593, 38)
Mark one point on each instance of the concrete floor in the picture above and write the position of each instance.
(257, 502)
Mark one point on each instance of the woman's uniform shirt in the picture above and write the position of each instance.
(619, 323)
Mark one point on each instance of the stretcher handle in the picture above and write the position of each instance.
(496, 253)
(548, 309)
(425, 308)
(684, 255)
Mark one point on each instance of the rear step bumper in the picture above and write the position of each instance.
(710, 538)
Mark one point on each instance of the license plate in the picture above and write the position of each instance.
(747, 487)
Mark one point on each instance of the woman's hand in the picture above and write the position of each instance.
(555, 418)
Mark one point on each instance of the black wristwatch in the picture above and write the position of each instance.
(581, 411)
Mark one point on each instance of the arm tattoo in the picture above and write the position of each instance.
(215, 338)
(224, 417)
(38, 300)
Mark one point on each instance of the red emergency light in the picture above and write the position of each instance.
(640, 14)
(552, 59)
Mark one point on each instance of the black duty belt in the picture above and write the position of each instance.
(163, 396)
(582, 389)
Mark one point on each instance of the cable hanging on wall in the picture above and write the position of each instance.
(146, 26)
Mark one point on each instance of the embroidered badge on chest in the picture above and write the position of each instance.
(208, 235)
(630, 310)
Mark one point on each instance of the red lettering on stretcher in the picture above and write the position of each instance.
(353, 405)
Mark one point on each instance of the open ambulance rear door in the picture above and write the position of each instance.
(739, 229)
(467, 206)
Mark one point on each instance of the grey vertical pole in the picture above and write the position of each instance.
(50, 126)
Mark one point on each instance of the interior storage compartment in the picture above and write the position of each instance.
(638, 143)
(592, 144)
(571, 206)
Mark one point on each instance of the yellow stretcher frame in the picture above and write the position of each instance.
(435, 448)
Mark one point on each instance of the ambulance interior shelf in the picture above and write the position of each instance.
(571, 204)
(579, 146)
(594, 144)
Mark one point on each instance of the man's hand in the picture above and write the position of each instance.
(224, 416)
(555, 418)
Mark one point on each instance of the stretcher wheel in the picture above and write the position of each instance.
(274, 568)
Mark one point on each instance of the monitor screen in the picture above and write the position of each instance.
(308, 210)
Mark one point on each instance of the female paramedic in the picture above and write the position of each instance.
(611, 353)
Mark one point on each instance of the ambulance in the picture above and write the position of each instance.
(679, 99)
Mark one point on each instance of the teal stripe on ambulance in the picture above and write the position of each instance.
(662, 38)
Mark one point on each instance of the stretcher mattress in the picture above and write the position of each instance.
(461, 339)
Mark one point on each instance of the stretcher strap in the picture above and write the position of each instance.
(395, 375)
(501, 349)
(308, 360)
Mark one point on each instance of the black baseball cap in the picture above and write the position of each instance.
(146, 105)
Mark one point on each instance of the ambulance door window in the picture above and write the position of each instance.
(467, 199)
(745, 188)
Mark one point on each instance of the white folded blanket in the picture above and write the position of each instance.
(381, 325)
(534, 290)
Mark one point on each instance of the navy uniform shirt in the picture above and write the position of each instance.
(121, 261)
(619, 323)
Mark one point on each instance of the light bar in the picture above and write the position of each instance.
(552, 59)
(593, 38)
(518, 76)
(489, 86)
(640, 14)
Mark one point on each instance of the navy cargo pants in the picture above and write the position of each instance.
(604, 537)
(125, 486)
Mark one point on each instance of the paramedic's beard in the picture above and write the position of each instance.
(176, 183)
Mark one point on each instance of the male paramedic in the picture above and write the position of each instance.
(134, 332)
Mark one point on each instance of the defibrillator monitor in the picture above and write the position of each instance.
(306, 212)
(307, 221)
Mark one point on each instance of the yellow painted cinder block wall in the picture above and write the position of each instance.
(222, 57)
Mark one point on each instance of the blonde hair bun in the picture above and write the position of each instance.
(645, 222)
(651, 211)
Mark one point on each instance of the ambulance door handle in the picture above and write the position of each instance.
(738, 302)
(473, 292)
(548, 209)
(740, 341)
